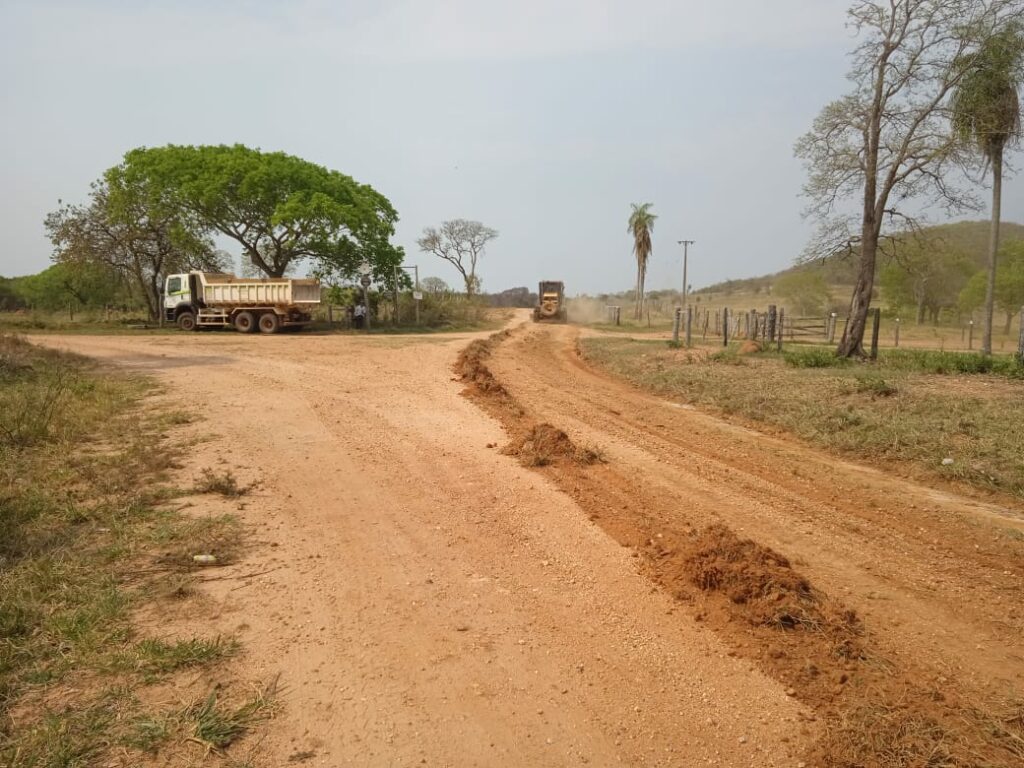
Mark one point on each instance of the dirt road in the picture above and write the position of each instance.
(436, 603)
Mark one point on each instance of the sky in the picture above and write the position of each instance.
(544, 119)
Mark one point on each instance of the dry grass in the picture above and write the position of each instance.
(84, 486)
(879, 412)
(225, 483)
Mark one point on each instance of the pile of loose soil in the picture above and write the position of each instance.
(755, 577)
(544, 444)
(473, 370)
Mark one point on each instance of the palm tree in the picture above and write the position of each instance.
(986, 113)
(641, 222)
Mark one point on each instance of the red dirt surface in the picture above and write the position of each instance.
(701, 595)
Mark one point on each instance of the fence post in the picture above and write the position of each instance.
(725, 327)
(830, 327)
(896, 341)
(970, 334)
(782, 327)
(675, 326)
(689, 326)
(1020, 339)
(876, 321)
(704, 330)
(773, 319)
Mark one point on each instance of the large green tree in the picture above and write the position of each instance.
(986, 113)
(279, 208)
(641, 224)
(885, 143)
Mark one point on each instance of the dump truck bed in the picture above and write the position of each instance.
(222, 290)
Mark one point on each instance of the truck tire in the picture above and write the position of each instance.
(187, 321)
(269, 323)
(245, 322)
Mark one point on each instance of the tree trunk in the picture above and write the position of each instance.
(993, 249)
(636, 298)
(920, 312)
(1009, 322)
(852, 342)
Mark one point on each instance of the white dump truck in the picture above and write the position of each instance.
(213, 300)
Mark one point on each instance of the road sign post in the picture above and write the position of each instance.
(365, 282)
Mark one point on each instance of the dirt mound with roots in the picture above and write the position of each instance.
(544, 444)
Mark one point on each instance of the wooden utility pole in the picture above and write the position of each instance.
(686, 247)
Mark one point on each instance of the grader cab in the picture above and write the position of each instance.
(550, 302)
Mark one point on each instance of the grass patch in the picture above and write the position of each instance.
(218, 725)
(225, 483)
(83, 517)
(912, 361)
(159, 656)
(897, 408)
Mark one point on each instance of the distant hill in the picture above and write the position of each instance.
(970, 237)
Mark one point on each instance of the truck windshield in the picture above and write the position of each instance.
(174, 285)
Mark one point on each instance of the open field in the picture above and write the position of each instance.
(882, 413)
(443, 580)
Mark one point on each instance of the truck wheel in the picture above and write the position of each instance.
(269, 323)
(245, 322)
(187, 321)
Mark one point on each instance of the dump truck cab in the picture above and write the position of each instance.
(179, 296)
(550, 302)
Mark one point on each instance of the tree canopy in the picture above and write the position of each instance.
(279, 208)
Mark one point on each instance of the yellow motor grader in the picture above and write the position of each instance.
(550, 302)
